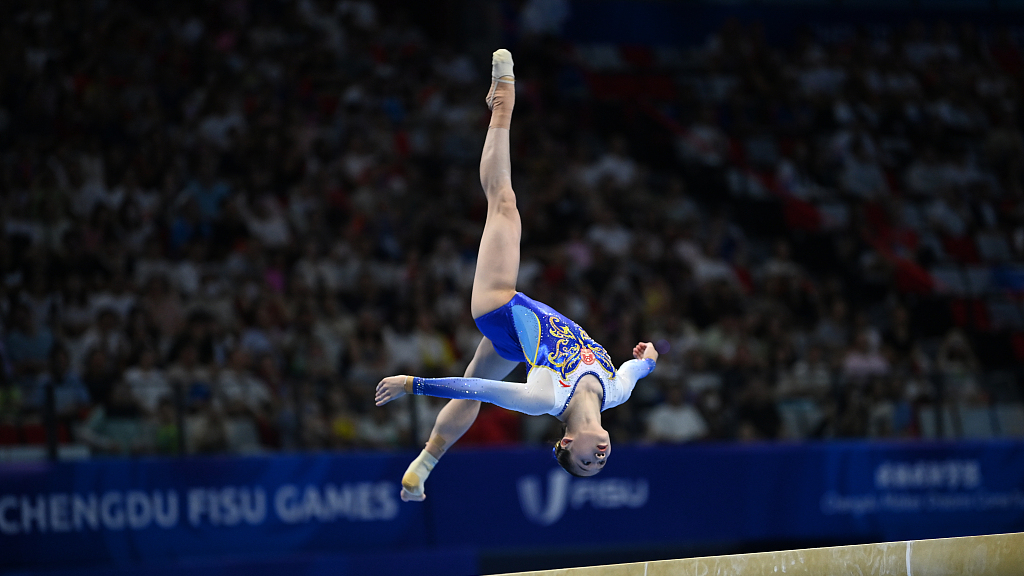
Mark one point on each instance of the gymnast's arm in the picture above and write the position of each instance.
(533, 397)
(645, 358)
(633, 370)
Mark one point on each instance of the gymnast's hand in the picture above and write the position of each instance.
(641, 351)
(390, 388)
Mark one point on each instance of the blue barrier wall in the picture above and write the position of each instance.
(165, 512)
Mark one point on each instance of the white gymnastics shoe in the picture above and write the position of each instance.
(501, 72)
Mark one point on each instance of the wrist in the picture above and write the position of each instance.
(408, 384)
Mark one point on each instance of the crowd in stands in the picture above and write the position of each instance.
(241, 215)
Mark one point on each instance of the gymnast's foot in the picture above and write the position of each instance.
(501, 98)
(415, 476)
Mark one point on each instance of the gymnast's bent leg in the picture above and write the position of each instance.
(454, 419)
(497, 267)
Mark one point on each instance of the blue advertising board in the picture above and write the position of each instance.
(166, 511)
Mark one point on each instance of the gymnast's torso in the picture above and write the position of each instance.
(558, 351)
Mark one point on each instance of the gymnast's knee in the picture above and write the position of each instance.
(502, 201)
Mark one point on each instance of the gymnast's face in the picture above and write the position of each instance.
(589, 450)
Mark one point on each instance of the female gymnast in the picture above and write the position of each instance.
(571, 376)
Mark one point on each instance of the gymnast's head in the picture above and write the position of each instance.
(584, 452)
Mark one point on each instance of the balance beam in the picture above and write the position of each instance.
(995, 555)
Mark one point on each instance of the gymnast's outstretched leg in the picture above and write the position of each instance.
(497, 267)
(497, 263)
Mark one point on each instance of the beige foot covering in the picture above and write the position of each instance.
(412, 487)
(501, 98)
(416, 475)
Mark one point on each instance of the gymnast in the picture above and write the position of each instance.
(570, 376)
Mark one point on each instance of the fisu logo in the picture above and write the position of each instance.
(565, 492)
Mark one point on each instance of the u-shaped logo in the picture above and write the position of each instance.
(563, 492)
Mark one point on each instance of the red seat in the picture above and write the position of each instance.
(1017, 342)
(8, 435)
(970, 313)
(958, 310)
(36, 434)
(639, 56)
(961, 249)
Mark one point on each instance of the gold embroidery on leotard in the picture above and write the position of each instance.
(568, 347)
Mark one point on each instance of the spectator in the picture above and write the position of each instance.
(75, 313)
(99, 375)
(116, 296)
(705, 142)
(206, 430)
(141, 335)
(699, 377)
(863, 361)
(925, 175)
(207, 191)
(610, 235)
(614, 165)
(267, 223)
(105, 335)
(343, 422)
(307, 355)
(855, 416)
(402, 343)
(861, 176)
(165, 428)
(164, 306)
(369, 358)
(263, 335)
(28, 345)
(756, 413)
(675, 421)
(958, 368)
(714, 411)
(889, 415)
(781, 263)
(194, 379)
(117, 426)
(240, 391)
(149, 384)
(899, 336)
(71, 398)
(42, 302)
(809, 377)
(436, 354)
(379, 429)
(832, 331)
(11, 400)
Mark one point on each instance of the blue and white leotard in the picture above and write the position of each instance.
(559, 353)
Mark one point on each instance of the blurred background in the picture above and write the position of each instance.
(225, 220)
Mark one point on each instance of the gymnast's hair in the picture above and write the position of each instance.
(564, 457)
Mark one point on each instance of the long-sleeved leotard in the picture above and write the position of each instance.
(559, 353)
(542, 393)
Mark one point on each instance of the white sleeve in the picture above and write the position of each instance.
(530, 398)
(631, 371)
